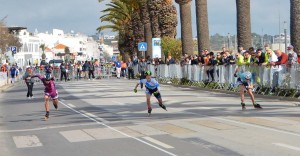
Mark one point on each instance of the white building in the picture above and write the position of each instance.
(81, 46)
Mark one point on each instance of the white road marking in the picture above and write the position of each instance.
(71, 105)
(103, 124)
(62, 99)
(43, 128)
(117, 102)
(158, 142)
(27, 141)
(88, 114)
(287, 146)
(76, 136)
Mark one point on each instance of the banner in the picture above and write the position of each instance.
(156, 48)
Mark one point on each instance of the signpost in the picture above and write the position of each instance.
(142, 46)
(113, 58)
(156, 48)
(13, 49)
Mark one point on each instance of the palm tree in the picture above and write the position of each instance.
(202, 25)
(67, 54)
(243, 23)
(145, 18)
(119, 14)
(43, 47)
(295, 24)
(154, 7)
(168, 19)
(186, 26)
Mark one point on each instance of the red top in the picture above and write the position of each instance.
(283, 59)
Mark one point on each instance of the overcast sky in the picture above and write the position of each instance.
(83, 15)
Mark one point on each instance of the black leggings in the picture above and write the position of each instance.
(63, 74)
(142, 77)
(91, 73)
(30, 88)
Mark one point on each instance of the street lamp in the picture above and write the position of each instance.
(285, 35)
(228, 40)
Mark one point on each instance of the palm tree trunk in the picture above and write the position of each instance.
(202, 25)
(186, 26)
(295, 24)
(154, 7)
(168, 19)
(147, 26)
(243, 23)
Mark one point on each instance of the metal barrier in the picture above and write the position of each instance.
(275, 77)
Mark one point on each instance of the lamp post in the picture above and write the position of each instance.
(285, 35)
(228, 40)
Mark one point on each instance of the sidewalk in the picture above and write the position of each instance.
(237, 93)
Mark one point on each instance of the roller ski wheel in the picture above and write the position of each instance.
(47, 116)
(149, 111)
(163, 107)
(243, 106)
(55, 106)
(257, 106)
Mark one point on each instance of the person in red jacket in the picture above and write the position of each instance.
(282, 58)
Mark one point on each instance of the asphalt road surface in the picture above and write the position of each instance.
(106, 118)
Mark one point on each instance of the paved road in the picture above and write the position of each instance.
(106, 118)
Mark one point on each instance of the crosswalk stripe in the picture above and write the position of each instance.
(27, 141)
(287, 146)
(158, 142)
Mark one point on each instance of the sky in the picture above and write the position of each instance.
(83, 15)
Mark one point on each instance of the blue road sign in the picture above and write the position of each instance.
(13, 49)
(142, 46)
(113, 58)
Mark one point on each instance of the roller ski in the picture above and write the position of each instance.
(149, 111)
(55, 106)
(46, 116)
(163, 107)
(257, 106)
(243, 106)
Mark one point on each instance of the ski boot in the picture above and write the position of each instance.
(163, 107)
(149, 111)
(243, 106)
(55, 106)
(257, 106)
(47, 116)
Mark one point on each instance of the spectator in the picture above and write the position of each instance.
(272, 57)
(142, 68)
(239, 59)
(85, 69)
(292, 56)
(118, 68)
(247, 58)
(130, 69)
(170, 60)
(63, 71)
(91, 70)
(282, 58)
(211, 66)
(194, 60)
(13, 73)
(124, 68)
(262, 58)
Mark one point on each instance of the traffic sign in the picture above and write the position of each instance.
(142, 46)
(113, 58)
(13, 49)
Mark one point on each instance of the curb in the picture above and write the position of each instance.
(7, 86)
(237, 93)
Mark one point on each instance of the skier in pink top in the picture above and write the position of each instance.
(50, 92)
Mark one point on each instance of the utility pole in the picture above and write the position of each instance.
(285, 35)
